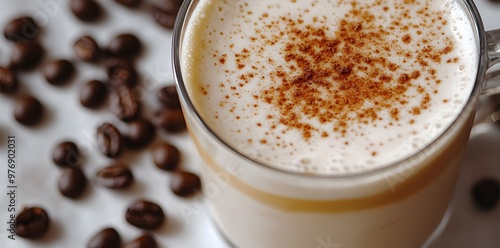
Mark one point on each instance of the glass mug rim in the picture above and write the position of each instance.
(482, 65)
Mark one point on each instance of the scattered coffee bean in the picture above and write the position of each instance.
(116, 176)
(106, 238)
(486, 193)
(145, 215)
(144, 241)
(185, 184)
(26, 55)
(125, 46)
(166, 156)
(28, 110)
(93, 94)
(32, 223)
(86, 49)
(171, 120)
(168, 97)
(165, 12)
(72, 182)
(58, 72)
(21, 29)
(86, 10)
(66, 154)
(109, 140)
(124, 104)
(129, 3)
(8, 81)
(121, 73)
(140, 133)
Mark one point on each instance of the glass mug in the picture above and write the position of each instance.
(257, 206)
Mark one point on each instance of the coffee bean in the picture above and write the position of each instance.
(168, 97)
(129, 3)
(486, 193)
(125, 46)
(86, 10)
(86, 49)
(8, 81)
(32, 223)
(109, 140)
(166, 156)
(140, 133)
(171, 120)
(93, 94)
(72, 182)
(144, 241)
(58, 72)
(165, 12)
(21, 29)
(106, 238)
(26, 55)
(66, 154)
(185, 184)
(116, 176)
(28, 110)
(145, 215)
(121, 73)
(124, 104)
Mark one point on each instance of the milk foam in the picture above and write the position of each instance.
(238, 57)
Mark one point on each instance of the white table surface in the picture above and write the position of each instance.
(188, 225)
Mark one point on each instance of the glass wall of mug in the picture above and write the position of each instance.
(398, 205)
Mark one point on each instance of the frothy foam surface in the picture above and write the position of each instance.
(329, 87)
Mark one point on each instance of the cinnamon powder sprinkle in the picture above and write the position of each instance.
(351, 74)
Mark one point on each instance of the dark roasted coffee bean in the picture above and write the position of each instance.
(140, 133)
(145, 215)
(58, 72)
(86, 10)
(8, 81)
(165, 12)
(32, 223)
(21, 29)
(144, 241)
(28, 110)
(124, 104)
(116, 176)
(93, 94)
(486, 193)
(109, 140)
(121, 73)
(26, 55)
(86, 49)
(185, 184)
(72, 182)
(168, 97)
(125, 46)
(66, 154)
(166, 156)
(129, 3)
(171, 120)
(106, 238)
